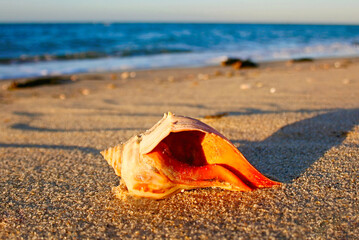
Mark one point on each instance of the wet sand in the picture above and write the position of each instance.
(296, 122)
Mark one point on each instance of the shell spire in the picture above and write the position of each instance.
(113, 157)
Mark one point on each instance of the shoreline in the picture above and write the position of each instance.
(117, 64)
(262, 64)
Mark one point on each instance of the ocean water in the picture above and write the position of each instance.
(51, 49)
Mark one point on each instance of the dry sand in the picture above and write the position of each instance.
(297, 123)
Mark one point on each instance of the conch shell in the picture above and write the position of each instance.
(182, 153)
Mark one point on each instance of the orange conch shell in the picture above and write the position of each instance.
(182, 153)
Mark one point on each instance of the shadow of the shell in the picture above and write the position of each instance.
(27, 114)
(27, 127)
(48, 146)
(253, 111)
(287, 153)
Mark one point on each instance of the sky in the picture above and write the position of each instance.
(256, 11)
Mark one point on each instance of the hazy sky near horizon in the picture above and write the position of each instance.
(282, 11)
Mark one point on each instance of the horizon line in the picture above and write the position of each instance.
(176, 22)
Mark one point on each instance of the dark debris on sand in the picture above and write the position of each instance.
(36, 82)
(238, 63)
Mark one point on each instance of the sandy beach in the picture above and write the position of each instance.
(297, 123)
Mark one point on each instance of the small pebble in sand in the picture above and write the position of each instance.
(62, 96)
(190, 76)
(325, 66)
(309, 80)
(254, 74)
(218, 73)
(203, 76)
(125, 75)
(74, 78)
(171, 78)
(113, 76)
(272, 90)
(85, 91)
(259, 84)
(337, 64)
(132, 74)
(229, 74)
(346, 81)
(111, 86)
(245, 86)
(194, 83)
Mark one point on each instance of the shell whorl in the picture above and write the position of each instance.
(113, 157)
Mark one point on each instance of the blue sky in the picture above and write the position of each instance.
(282, 11)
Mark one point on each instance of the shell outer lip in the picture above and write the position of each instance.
(171, 123)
